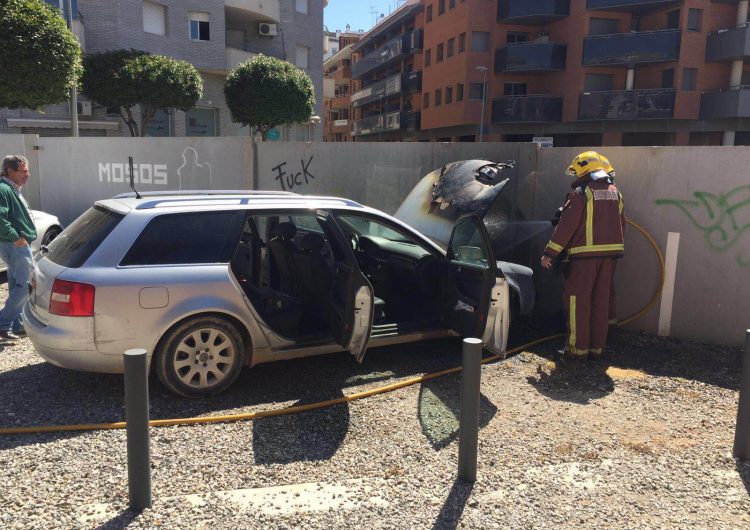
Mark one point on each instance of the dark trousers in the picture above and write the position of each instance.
(586, 299)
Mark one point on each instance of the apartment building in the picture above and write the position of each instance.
(583, 72)
(213, 35)
(337, 90)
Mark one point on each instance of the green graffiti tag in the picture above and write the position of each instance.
(722, 218)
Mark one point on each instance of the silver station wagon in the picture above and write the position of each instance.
(210, 282)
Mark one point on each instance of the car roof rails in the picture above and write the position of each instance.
(166, 193)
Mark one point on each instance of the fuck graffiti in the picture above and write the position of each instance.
(289, 179)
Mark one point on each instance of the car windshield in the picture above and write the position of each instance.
(363, 226)
(76, 243)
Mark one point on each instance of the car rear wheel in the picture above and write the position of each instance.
(200, 357)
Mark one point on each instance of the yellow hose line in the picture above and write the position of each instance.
(338, 401)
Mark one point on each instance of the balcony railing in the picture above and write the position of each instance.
(391, 51)
(732, 103)
(530, 109)
(630, 49)
(389, 122)
(531, 57)
(627, 105)
(406, 82)
(728, 44)
(631, 6)
(260, 10)
(533, 12)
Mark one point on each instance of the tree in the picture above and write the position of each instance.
(123, 79)
(40, 59)
(264, 92)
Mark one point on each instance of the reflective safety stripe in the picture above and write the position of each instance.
(554, 246)
(621, 205)
(597, 248)
(572, 323)
(589, 218)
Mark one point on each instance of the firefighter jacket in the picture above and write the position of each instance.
(592, 223)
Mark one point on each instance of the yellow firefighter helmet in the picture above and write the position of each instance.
(585, 163)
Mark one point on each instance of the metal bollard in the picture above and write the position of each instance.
(136, 416)
(468, 433)
(742, 432)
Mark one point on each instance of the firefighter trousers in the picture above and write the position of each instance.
(586, 298)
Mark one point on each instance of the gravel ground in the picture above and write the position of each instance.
(641, 439)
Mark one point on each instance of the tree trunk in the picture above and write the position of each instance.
(130, 122)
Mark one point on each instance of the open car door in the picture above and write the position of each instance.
(352, 299)
(475, 299)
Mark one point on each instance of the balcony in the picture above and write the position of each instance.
(236, 56)
(406, 82)
(531, 57)
(340, 126)
(340, 102)
(390, 122)
(527, 109)
(627, 105)
(343, 73)
(393, 50)
(248, 11)
(732, 103)
(630, 6)
(728, 45)
(532, 12)
(630, 49)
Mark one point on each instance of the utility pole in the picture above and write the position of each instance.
(73, 90)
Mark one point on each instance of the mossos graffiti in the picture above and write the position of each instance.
(723, 219)
(142, 173)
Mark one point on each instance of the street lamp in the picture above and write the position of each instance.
(313, 120)
(483, 69)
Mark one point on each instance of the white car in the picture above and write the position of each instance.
(47, 228)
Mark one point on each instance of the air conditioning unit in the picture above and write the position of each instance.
(84, 108)
(267, 29)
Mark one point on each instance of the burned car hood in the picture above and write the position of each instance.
(467, 187)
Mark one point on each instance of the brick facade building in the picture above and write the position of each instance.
(584, 72)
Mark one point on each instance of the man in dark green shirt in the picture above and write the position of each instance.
(17, 231)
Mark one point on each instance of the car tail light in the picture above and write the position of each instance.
(72, 299)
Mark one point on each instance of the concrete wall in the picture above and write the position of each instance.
(666, 189)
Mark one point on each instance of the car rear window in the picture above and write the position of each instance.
(176, 239)
(74, 246)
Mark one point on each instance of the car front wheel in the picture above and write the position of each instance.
(200, 357)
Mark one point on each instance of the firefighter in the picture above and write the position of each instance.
(591, 230)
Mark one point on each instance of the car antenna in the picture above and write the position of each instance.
(132, 187)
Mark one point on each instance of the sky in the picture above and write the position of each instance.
(356, 13)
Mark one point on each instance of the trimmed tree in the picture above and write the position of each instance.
(40, 59)
(123, 79)
(264, 92)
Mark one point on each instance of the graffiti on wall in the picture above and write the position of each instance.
(288, 178)
(723, 219)
(191, 174)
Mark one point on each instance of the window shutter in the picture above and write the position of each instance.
(154, 18)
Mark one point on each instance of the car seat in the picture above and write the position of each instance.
(283, 251)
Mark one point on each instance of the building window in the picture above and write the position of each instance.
(462, 42)
(154, 18)
(200, 121)
(694, 19)
(427, 58)
(460, 92)
(598, 82)
(448, 94)
(516, 36)
(158, 125)
(667, 78)
(426, 101)
(451, 4)
(199, 26)
(439, 52)
(480, 41)
(429, 13)
(438, 97)
(514, 89)
(603, 26)
(303, 56)
(688, 78)
(302, 7)
(475, 90)
(673, 19)
(451, 45)
(441, 9)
